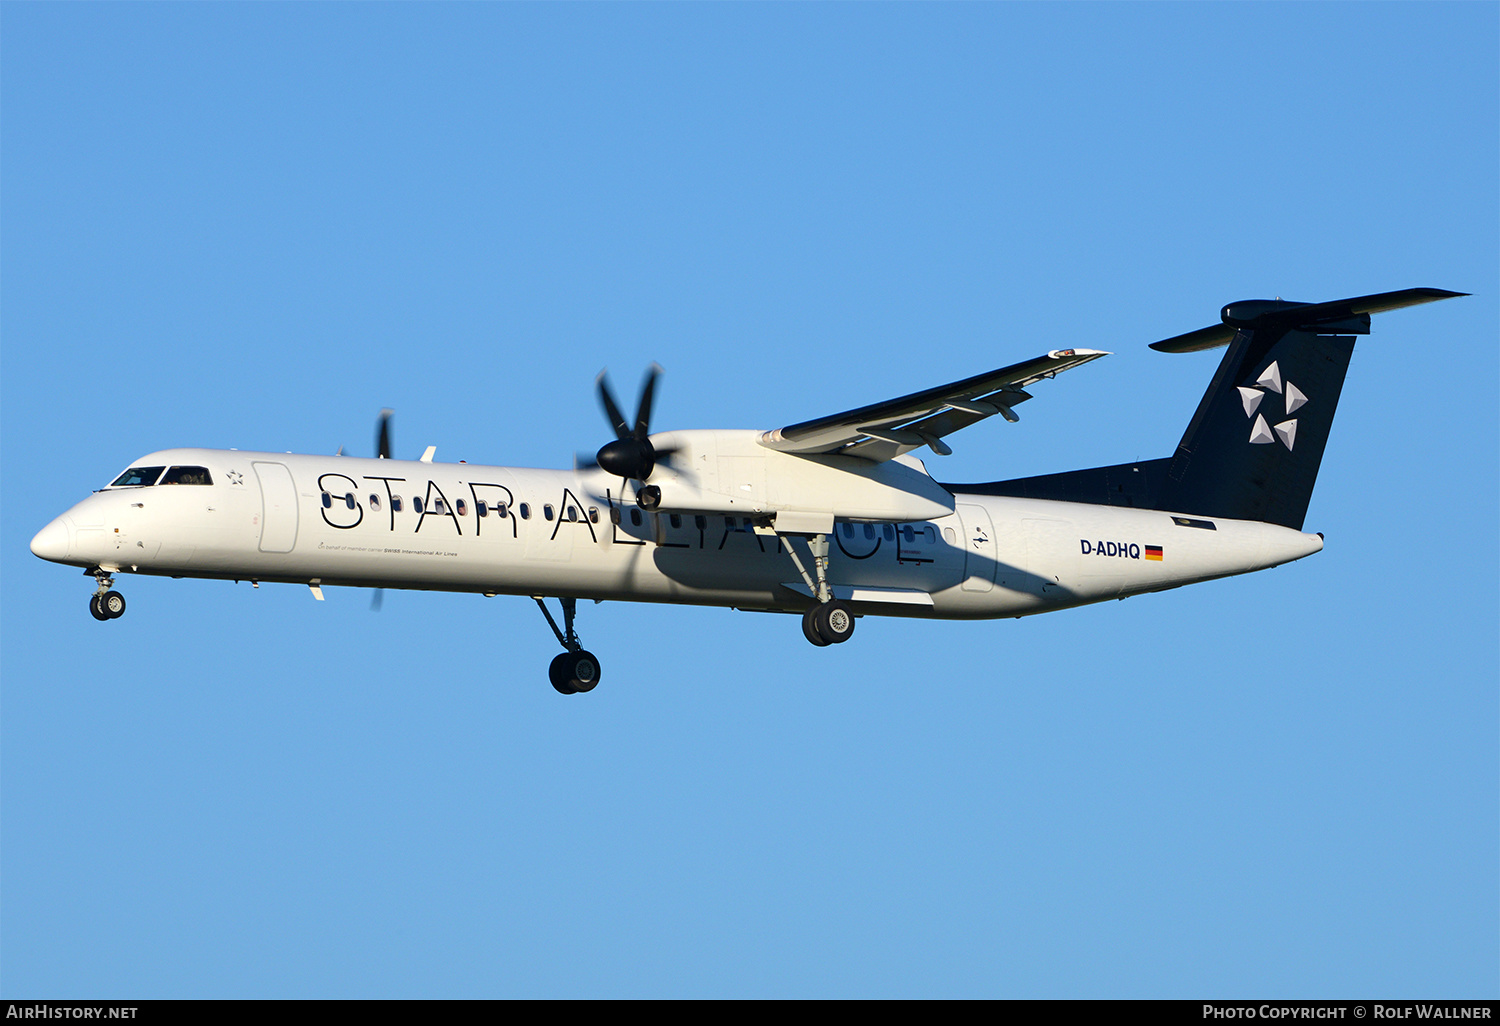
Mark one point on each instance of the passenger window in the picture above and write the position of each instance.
(375, 502)
(729, 523)
(869, 532)
(676, 519)
(500, 511)
(525, 508)
(137, 476)
(572, 514)
(614, 514)
(888, 531)
(848, 530)
(481, 508)
(949, 536)
(416, 504)
(700, 522)
(593, 514)
(440, 507)
(635, 517)
(931, 533)
(349, 500)
(327, 501)
(462, 507)
(395, 504)
(547, 511)
(188, 476)
(908, 534)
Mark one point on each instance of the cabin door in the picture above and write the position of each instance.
(278, 516)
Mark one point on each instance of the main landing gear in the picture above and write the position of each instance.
(828, 623)
(575, 671)
(104, 603)
(831, 621)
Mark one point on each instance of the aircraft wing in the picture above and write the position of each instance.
(886, 430)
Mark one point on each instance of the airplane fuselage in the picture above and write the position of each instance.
(343, 521)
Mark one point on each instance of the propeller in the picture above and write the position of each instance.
(631, 455)
(382, 451)
(383, 435)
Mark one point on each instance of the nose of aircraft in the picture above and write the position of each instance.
(51, 542)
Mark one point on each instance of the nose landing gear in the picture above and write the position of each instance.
(575, 671)
(104, 603)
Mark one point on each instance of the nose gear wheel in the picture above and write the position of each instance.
(576, 671)
(105, 604)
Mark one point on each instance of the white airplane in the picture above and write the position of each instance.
(833, 518)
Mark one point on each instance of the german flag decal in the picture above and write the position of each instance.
(1153, 552)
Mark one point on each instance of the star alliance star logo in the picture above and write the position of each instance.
(235, 478)
(1260, 431)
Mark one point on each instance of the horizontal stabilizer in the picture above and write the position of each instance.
(1211, 337)
(1341, 316)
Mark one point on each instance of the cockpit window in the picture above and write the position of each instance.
(136, 476)
(187, 475)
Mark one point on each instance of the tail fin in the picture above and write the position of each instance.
(1252, 449)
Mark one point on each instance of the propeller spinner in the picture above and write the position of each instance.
(631, 455)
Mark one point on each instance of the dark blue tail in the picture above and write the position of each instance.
(1252, 449)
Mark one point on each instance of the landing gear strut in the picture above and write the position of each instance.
(104, 603)
(575, 671)
(831, 621)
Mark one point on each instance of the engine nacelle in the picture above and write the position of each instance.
(730, 473)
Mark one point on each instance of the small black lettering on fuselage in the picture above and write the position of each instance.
(1120, 550)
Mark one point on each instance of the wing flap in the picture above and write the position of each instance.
(885, 430)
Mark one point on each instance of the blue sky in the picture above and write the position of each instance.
(256, 225)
